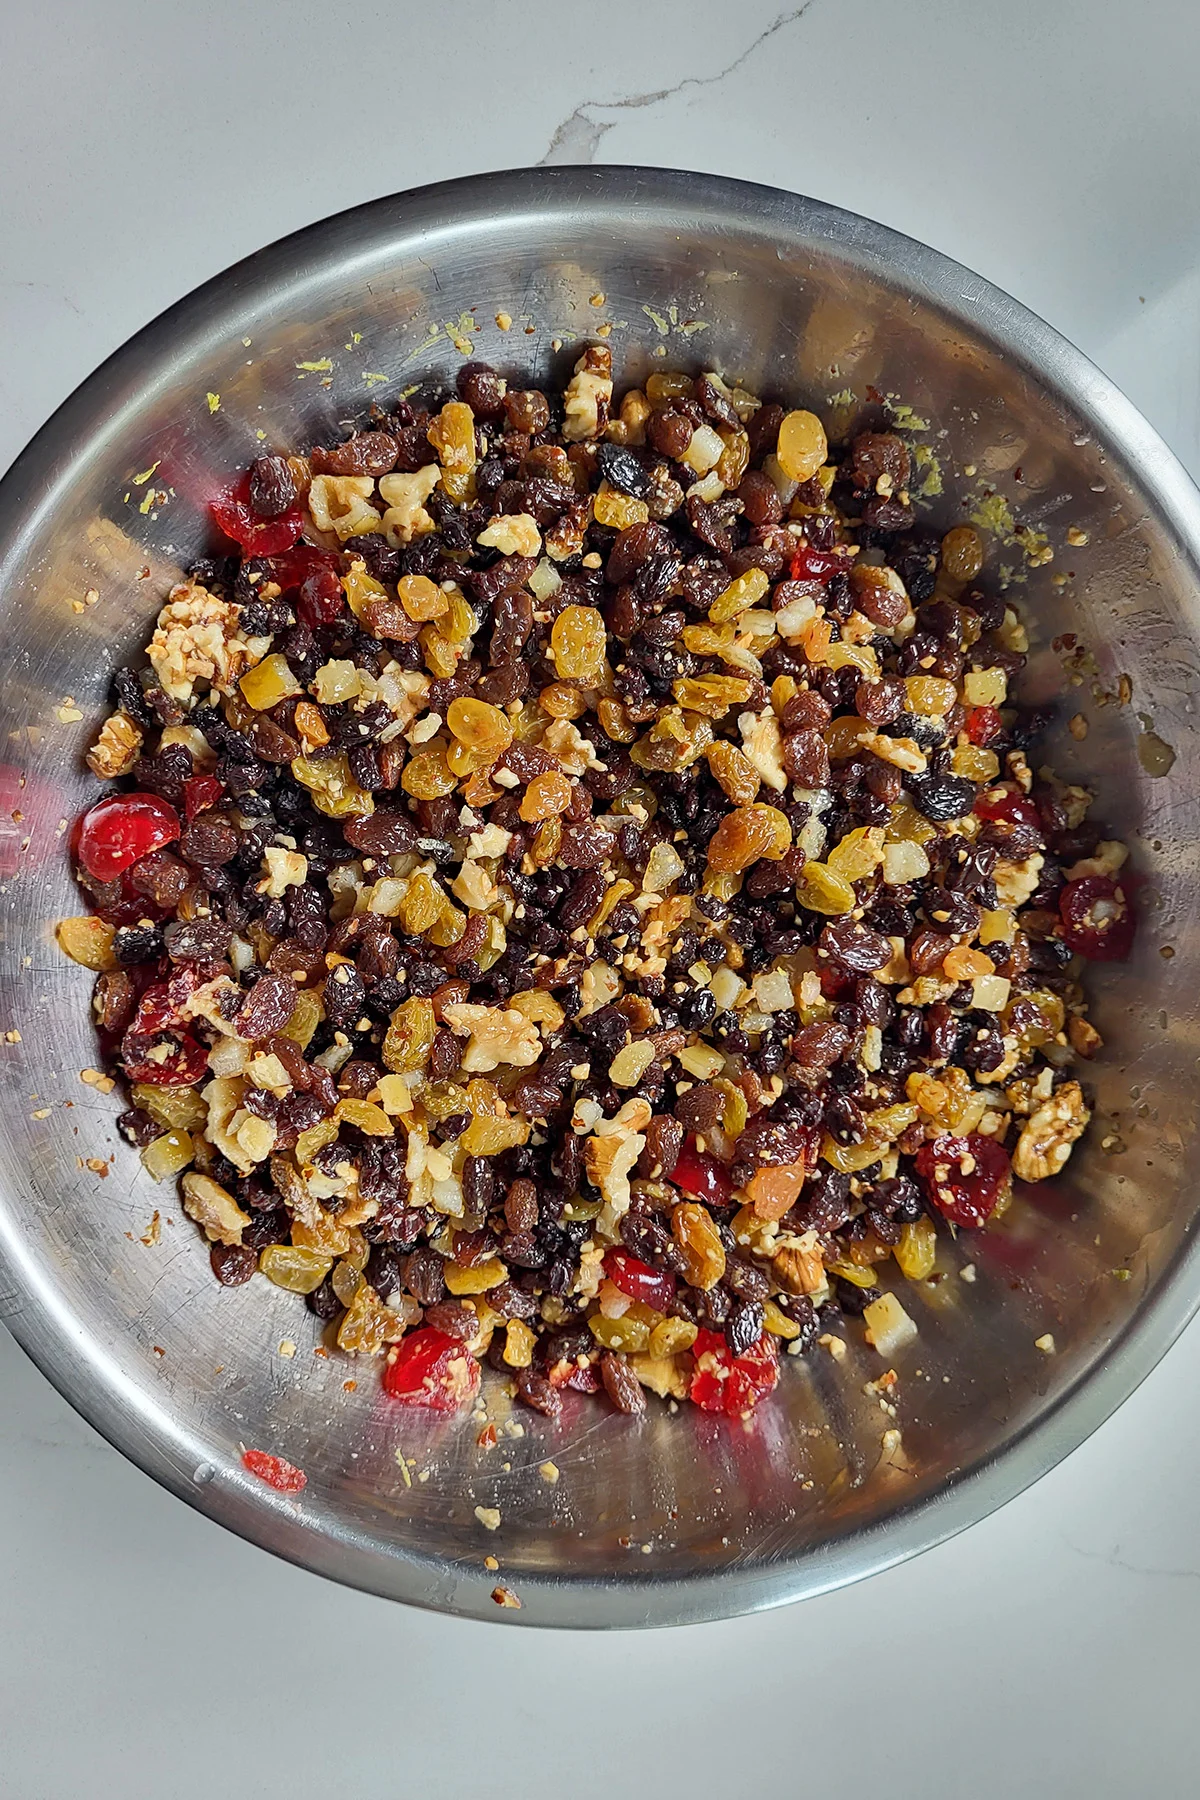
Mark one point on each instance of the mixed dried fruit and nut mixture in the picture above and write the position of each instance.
(578, 894)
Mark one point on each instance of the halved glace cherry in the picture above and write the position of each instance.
(814, 565)
(732, 1384)
(322, 600)
(701, 1175)
(983, 724)
(294, 566)
(653, 1287)
(200, 792)
(1010, 807)
(432, 1369)
(964, 1177)
(257, 537)
(121, 830)
(1098, 921)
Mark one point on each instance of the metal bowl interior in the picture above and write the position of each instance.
(679, 1517)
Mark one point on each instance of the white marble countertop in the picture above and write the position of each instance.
(1050, 1651)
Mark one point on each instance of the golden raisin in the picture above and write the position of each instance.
(411, 1032)
(742, 593)
(802, 445)
(422, 904)
(609, 507)
(421, 598)
(480, 726)
(546, 797)
(578, 640)
(743, 835)
(427, 775)
(561, 701)
(962, 553)
(615, 722)
(712, 695)
(736, 774)
(929, 696)
(693, 1229)
(820, 890)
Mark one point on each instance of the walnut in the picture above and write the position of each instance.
(609, 1156)
(763, 744)
(1108, 858)
(285, 869)
(342, 503)
(116, 749)
(903, 753)
(1046, 1139)
(497, 1035)
(208, 1203)
(588, 395)
(513, 534)
(405, 497)
(1016, 881)
(474, 886)
(798, 1268)
(198, 638)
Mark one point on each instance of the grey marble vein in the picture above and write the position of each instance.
(578, 137)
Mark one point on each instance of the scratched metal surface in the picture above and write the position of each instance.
(669, 1519)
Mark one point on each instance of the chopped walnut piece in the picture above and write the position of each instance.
(1047, 1136)
(198, 638)
(116, 749)
(497, 1035)
(1016, 881)
(405, 497)
(207, 1202)
(588, 395)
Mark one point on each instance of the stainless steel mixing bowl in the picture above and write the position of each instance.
(674, 1518)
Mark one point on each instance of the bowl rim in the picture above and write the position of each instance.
(29, 1302)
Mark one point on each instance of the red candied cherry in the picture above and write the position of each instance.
(257, 537)
(814, 565)
(964, 1177)
(653, 1287)
(1098, 921)
(1010, 807)
(119, 831)
(430, 1368)
(283, 1476)
(983, 724)
(732, 1384)
(322, 600)
(702, 1176)
(293, 568)
(200, 792)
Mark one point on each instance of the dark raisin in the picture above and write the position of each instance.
(196, 940)
(272, 488)
(942, 797)
(621, 1384)
(744, 1326)
(855, 947)
(536, 1391)
(424, 1276)
(232, 1264)
(268, 1007)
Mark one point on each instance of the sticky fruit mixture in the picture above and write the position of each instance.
(576, 893)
